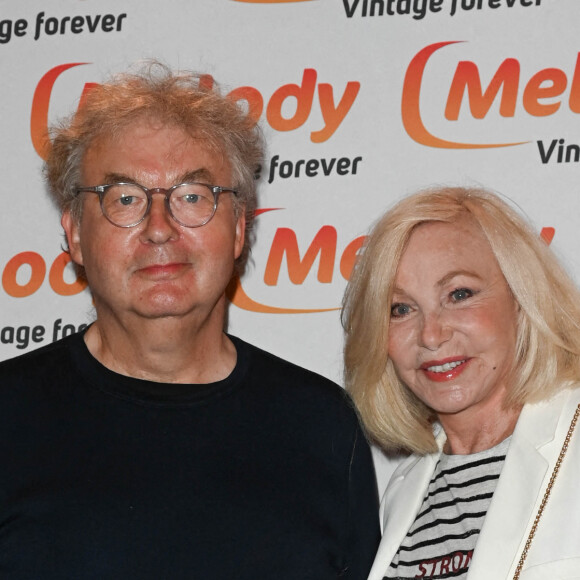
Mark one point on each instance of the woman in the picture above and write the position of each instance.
(463, 348)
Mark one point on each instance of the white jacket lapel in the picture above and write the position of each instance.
(520, 488)
(408, 484)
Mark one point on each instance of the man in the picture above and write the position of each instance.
(154, 445)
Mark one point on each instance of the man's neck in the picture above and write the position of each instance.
(167, 350)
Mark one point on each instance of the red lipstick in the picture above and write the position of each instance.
(444, 370)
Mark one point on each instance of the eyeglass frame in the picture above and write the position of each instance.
(101, 190)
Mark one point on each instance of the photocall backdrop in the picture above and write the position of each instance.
(361, 102)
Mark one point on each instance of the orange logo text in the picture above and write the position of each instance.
(35, 265)
(541, 95)
(288, 108)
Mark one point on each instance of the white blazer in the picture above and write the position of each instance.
(533, 451)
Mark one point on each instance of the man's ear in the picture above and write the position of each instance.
(72, 231)
(240, 234)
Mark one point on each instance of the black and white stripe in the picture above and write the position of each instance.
(441, 541)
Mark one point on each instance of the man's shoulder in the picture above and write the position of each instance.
(290, 377)
(269, 362)
(44, 360)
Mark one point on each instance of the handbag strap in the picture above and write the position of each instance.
(547, 494)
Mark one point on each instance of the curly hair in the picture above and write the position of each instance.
(181, 99)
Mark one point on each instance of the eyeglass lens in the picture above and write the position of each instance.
(191, 204)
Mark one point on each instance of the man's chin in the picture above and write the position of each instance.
(169, 303)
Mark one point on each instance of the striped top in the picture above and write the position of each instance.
(441, 541)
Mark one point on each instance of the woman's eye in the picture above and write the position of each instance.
(461, 294)
(400, 310)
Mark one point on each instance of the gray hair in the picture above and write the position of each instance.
(157, 93)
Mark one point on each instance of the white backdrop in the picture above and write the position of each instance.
(361, 101)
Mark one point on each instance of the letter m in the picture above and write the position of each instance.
(285, 243)
(467, 79)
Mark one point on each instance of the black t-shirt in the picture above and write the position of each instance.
(265, 474)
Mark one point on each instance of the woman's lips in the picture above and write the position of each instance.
(444, 370)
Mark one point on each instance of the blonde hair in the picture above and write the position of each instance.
(548, 334)
(179, 99)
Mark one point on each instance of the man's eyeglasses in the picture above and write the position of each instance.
(127, 204)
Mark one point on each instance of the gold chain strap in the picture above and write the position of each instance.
(547, 494)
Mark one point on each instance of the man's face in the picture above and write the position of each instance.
(157, 268)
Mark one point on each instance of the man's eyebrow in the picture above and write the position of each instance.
(118, 178)
(202, 174)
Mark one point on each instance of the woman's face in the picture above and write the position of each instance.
(453, 321)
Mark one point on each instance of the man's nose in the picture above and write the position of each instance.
(160, 226)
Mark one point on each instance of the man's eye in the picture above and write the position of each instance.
(127, 200)
(191, 198)
(399, 310)
(460, 294)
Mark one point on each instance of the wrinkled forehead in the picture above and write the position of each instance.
(142, 124)
(442, 244)
(463, 224)
(151, 137)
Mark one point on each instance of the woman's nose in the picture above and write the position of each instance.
(434, 331)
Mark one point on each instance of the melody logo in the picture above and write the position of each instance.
(541, 95)
(285, 245)
(302, 96)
